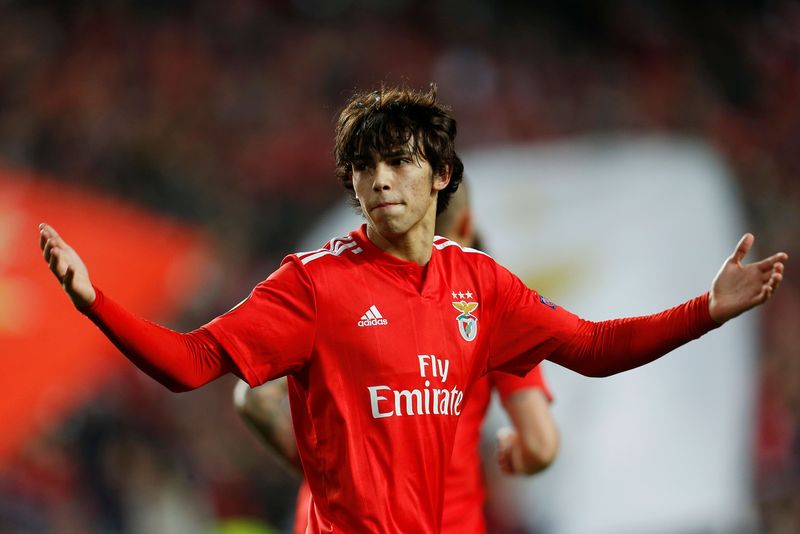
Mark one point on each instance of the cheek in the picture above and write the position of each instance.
(357, 185)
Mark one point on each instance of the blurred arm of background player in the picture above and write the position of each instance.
(265, 409)
(530, 445)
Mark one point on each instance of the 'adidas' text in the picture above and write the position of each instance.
(372, 318)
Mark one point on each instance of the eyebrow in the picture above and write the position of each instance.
(393, 153)
(397, 152)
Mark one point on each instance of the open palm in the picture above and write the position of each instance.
(67, 266)
(739, 286)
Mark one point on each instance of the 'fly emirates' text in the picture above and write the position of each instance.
(386, 402)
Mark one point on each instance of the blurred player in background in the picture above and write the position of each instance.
(379, 364)
(525, 448)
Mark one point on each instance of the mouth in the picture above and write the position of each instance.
(385, 205)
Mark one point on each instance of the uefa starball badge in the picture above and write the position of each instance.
(467, 323)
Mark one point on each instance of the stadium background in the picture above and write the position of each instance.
(198, 136)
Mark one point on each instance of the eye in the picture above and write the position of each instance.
(359, 166)
(404, 160)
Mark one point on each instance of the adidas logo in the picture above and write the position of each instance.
(372, 318)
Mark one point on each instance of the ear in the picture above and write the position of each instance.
(442, 178)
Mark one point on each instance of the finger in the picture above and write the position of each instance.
(47, 231)
(48, 246)
(769, 288)
(767, 275)
(766, 294)
(775, 280)
(54, 263)
(53, 242)
(743, 247)
(504, 461)
(45, 234)
(69, 276)
(767, 263)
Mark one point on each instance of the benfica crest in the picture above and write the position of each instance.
(467, 323)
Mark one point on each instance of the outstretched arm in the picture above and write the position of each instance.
(609, 347)
(178, 361)
(264, 409)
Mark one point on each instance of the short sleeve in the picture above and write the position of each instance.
(507, 384)
(528, 327)
(271, 333)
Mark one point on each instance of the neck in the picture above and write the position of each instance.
(414, 245)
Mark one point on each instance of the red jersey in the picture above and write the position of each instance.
(381, 354)
(464, 493)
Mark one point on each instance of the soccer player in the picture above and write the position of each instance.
(524, 449)
(383, 332)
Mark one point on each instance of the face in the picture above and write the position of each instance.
(397, 192)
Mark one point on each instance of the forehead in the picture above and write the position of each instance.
(377, 153)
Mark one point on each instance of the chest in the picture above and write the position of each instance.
(382, 330)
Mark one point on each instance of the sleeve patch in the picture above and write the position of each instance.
(547, 302)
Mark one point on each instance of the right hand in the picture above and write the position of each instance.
(508, 451)
(67, 267)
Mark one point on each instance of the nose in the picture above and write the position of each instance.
(383, 177)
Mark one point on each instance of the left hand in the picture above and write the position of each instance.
(739, 287)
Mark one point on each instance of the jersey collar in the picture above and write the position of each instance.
(377, 255)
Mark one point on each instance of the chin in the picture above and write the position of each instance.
(390, 228)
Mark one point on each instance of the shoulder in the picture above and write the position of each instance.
(442, 243)
(478, 262)
(338, 252)
(452, 251)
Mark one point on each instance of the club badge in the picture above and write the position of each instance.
(467, 323)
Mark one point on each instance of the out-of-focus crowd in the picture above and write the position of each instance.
(222, 114)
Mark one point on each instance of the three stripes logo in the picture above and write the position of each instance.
(372, 318)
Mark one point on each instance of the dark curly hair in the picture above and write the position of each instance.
(382, 120)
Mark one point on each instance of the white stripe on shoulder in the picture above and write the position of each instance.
(442, 243)
(301, 255)
(327, 246)
(335, 247)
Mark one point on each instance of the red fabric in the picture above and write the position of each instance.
(179, 361)
(381, 362)
(532, 329)
(507, 384)
(465, 491)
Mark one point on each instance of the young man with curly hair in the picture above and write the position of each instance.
(383, 332)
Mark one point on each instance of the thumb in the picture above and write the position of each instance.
(743, 247)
